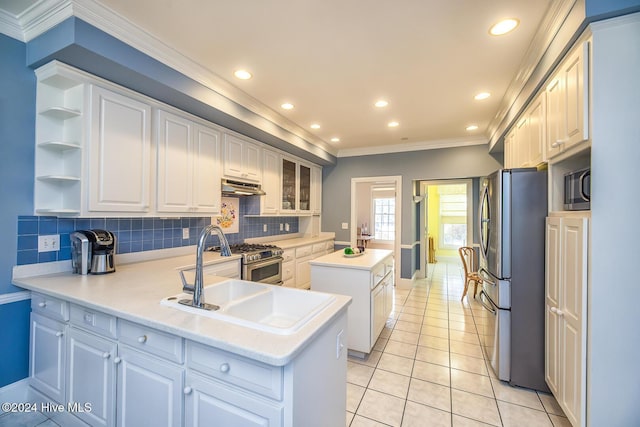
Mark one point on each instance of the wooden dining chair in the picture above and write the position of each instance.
(470, 271)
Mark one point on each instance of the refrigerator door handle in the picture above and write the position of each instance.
(487, 307)
(487, 277)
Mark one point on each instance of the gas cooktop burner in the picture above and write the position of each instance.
(252, 252)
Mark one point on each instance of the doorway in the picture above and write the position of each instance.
(446, 220)
(376, 210)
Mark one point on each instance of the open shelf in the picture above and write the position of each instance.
(59, 145)
(60, 113)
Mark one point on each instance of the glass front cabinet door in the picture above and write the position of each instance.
(289, 187)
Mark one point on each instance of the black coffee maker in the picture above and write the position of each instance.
(93, 251)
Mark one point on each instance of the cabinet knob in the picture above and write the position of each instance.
(142, 339)
(117, 360)
(557, 143)
(553, 310)
(560, 312)
(225, 368)
(106, 355)
(42, 304)
(187, 390)
(59, 334)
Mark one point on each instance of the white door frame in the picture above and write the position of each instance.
(396, 180)
(424, 242)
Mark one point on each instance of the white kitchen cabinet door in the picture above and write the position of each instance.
(119, 153)
(536, 131)
(188, 166)
(48, 357)
(378, 311)
(304, 188)
(149, 390)
(270, 202)
(303, 272)
(242, 159)
(207, 171)
(316, 189)
(174, 163)
(552, 300)
(566, 304)
(573, 331)
(209, 402)
(91, 377)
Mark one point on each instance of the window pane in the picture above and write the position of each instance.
(384, 219)
(455, 235)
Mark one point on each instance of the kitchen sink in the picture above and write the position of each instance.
(259, 306)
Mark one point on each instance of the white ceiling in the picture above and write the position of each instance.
(334, 58)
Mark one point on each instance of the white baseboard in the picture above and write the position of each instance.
(20, 392)
(16, 392)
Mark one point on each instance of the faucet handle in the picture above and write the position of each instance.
(186, 287)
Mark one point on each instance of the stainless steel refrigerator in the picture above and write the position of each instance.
(513, 207)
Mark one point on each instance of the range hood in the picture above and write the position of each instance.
(238, 188)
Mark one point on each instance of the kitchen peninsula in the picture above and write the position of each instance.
(368, 279)
(106, 340)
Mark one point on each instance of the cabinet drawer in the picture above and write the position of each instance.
(94, 321)
(319, 247)
(151, 340)
(377, 274)
(329, 245)
(50, 307)
(288, 270)
(288, 255)
(237, 370)
(303, 251)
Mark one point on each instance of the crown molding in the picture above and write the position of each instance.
(546, 32)
(412, 146)
(10, 25)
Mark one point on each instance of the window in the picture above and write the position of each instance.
(453, 220)
(384, 218)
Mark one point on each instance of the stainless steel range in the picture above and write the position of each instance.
(260, 263)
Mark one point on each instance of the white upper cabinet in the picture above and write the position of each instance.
(316, 189)
(524, 144)
(119, 153)
(188, 166)
(568, 102)
(242, 159)
(270, 182)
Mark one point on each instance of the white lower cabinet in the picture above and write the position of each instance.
(48, 356)
(149, 390)
(91, 377)
(567, 250)
(207, 400)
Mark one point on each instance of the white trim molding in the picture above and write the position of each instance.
(412, 146)
(14, 297)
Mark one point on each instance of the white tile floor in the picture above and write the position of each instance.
(427, 367)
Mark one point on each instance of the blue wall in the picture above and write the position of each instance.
(17, 136)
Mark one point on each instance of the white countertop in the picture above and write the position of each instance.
(369, 259)
(134, 292)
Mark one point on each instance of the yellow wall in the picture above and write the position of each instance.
(433, 222)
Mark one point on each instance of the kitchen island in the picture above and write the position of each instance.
(107, 341)
(368, 279)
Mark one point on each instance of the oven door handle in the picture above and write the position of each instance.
(269, 261)
(489, 308)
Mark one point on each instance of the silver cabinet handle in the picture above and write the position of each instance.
(187, 390)
(106, 355)
(117, 360)
(557, 143)
(225, 368)
(59, 334)
(42, 304)
(142, 339)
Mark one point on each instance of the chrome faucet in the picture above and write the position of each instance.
(198, 284)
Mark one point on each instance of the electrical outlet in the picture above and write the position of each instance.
(345, 225)
(264, 227)
(281, 227)
(49, 243)
(185, 233)
(286, 226)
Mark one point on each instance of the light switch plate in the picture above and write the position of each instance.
(185, 233)
(345, 225)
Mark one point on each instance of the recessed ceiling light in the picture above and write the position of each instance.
(242, 74)
(287, 106)
(481, 96)
(503, 27)
(393, 124)
(315, 126)
(381, 103)
(335, 139)
(472, 127)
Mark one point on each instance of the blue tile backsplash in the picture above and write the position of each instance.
(141, 234)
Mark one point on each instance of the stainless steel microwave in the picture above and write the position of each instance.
(577, 190)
